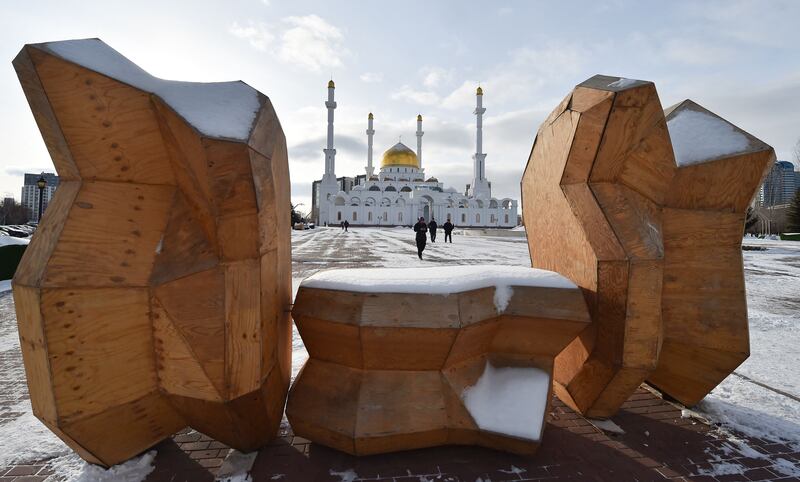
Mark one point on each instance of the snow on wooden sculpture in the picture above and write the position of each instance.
(409, 358)
(653, 240)
(704, 308)
(155, 293)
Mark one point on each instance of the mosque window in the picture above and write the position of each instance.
(400, 217)
(478, 218)
(492, 219)
(369, 216)
(385, 216)
(405, 189)
(374, 188)
(506, 218)
(339, 216)
(355, 216)
(463, 218)
(391, 188)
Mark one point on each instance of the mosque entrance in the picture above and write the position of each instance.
(426, 213)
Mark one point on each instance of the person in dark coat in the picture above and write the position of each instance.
(342, 224)
(448, 231)
(346, 225)
(432, 228)
(422, 235)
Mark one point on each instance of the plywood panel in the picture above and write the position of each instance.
(110, 236)
(100, 348)
(110, 127)
(243, 327)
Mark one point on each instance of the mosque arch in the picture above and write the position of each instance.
(506, 203)
(390, 188)
(374, 188)
(480, 205)
(339, 201)
(493, 204)
(355, 201)
(405, 189)
(370, 201)
(400, 202)
(386, 202)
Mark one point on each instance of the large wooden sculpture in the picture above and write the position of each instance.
(719, 169)
(605, 205)
(409, 358)
(155, 293)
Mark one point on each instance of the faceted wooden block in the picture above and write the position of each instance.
(409, 358)
(155, 292)
(653, 243)
(719, 170)
(598, 174)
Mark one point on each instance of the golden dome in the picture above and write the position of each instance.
(331, 85)
(419, 117)
(480, 91)
(399, 155)
(369, 116)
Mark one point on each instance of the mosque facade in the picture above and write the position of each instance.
(399, 193)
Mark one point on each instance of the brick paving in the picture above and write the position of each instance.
(657, 443)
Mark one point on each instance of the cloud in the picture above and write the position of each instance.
(434, 76)
(256, 34)
(371, 77)
(311, 43)
(462, 97)
(308, 42)
(421, 97)
(505, 11)
(696, 52)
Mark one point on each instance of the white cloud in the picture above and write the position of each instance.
(265, 2)
(421, 97)
(256, 34)
(311, 43)
(696, 52)
(371, 77)
(434, 76)
(505, 11)
(463, 96)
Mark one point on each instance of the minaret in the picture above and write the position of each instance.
(419, 140)
(479, 183)
(370, 133)
(330, 153)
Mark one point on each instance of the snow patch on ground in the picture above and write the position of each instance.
(434, 280)
(348, 475)
(71, 468)
(219, 109)
(698, 137)
(608, 426)
(25, 439)
(509, 400)
(5, 285)
(11, 240)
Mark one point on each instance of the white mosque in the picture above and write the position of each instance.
(400, 194)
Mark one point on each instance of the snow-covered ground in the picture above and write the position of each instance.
(761, 399)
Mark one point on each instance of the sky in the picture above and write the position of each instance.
(740, 59)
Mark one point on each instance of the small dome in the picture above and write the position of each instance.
(432, 179)
(419, 117)
(479, 92)
(331, 84)
(369, 116)
(400, 155)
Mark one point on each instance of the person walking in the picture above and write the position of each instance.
(346, 225)
(422, 235)
(342, 224)
(448, 231)
(432, 227)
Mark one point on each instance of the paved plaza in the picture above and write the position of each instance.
(649, 439)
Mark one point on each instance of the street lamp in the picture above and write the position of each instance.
(41, 183)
